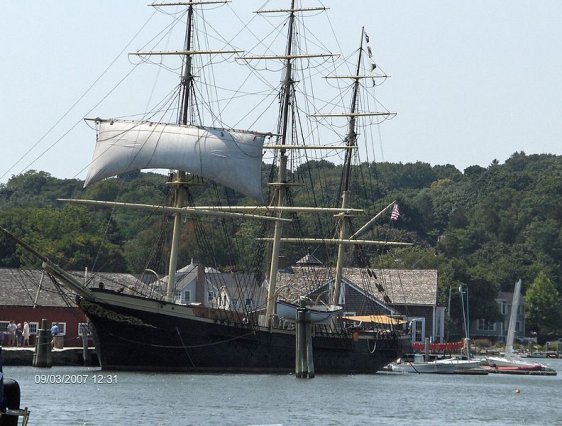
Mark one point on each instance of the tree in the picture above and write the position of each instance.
(542, 308)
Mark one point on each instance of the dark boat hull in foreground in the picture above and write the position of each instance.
(132, 333)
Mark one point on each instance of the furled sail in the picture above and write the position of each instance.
(230, 157)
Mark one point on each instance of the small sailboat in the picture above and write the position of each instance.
(429, 364)
(511, 363)
(438, 366)
(138, 331)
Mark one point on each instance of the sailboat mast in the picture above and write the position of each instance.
(179, 180)
(281, 189)
(351, 140)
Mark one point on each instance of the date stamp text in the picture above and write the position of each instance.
(75, 379)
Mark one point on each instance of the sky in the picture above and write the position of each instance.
(472, 81)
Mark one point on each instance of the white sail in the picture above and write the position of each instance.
(512, 320)
(229, 157)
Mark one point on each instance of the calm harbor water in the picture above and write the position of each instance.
(225, 399)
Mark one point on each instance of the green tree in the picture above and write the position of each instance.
(542, 308)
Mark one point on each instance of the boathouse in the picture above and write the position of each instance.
(30, 295)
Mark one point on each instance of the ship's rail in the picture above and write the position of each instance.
(23, 413)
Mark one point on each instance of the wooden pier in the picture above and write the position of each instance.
(70, 356)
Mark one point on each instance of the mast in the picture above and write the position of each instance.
(281, 189)
(180, 176)
(351, 140)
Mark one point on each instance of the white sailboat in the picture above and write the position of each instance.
(438, 366)
(511, 362)
(447, 365)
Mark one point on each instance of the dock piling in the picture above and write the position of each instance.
(42, 356)
(304, 358)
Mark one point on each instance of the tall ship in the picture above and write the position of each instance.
(249, 318)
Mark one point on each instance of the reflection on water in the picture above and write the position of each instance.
(87, 396)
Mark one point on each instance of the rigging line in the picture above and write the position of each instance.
(336, 39)
(211, 88)
(185, 348)
(76, 124)
(275, 29)
(166, 106)
(245, 25)
(23, 284)
(403, 292)
(273, 99)
(157, 74)
(74, 105)
(217, 34)
(167, 29)
(64, 296)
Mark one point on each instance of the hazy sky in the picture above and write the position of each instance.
(472, 81)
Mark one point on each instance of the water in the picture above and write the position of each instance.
(228, 399)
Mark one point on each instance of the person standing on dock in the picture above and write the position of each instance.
(19, 335)
(54, 332)
(25, 333)
(12, 333)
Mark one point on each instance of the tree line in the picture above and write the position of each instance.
(482, 229)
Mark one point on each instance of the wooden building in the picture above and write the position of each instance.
(30, 295)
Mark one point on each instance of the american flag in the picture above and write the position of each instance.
(395, 213)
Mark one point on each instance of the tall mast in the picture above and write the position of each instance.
(281, 189)
(180, 176)
(185, 115)
(351, 140)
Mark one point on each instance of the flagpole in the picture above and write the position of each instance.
(369, 223)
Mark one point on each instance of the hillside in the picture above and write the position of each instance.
(482, 228)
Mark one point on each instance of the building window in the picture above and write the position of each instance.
(235, 303)
(187, 296)
(177, 296)
(485, 325)
(33, 327)
(4, 325)
(84, 328)
(210, 296)
(517, 326)
(503, 308)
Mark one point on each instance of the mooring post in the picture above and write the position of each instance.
(309, 354)
(467, 346)
(42, 356)
(426, 349)
(85, 352)
(300, 345)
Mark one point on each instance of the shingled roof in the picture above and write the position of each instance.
(18, 287)
(403, 287)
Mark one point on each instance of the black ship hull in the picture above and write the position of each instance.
(135, 334)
